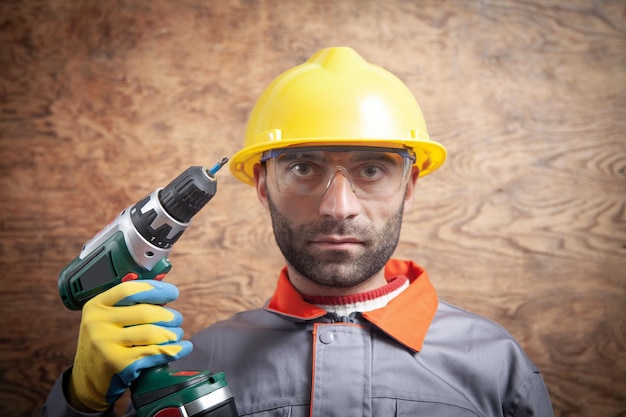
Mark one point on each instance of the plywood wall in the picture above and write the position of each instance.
(103, 101)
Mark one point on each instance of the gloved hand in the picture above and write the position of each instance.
(123, 330)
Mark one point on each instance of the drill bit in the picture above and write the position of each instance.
(217, 166)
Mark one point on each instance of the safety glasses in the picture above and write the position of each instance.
(371, 171)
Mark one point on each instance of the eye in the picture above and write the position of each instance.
(302, 170)
(371, 172)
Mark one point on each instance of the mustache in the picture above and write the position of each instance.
(334, 227)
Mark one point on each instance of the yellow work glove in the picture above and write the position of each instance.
(124, 330)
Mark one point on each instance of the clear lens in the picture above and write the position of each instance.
(372, 172)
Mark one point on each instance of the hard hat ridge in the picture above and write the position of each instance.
(339, 60)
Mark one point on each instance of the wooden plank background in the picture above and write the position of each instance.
(103, 101)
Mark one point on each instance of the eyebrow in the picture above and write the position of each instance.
(375, 156)
(312, 155)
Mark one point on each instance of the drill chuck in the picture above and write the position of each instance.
(184, 197)
(162, 217)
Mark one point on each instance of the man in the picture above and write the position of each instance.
(334, 147)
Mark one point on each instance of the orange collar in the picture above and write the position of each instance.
(406, 318)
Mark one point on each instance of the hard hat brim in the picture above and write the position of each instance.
(430, 155)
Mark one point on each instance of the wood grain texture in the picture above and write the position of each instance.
(101, 102)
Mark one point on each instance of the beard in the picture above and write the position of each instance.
(336, 268)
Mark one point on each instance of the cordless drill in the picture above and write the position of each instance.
(135, 246)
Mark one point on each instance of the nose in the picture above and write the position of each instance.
(339, 199)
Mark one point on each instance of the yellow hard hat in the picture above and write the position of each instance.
(336, 98)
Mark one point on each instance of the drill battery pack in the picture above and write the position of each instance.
(165, 392)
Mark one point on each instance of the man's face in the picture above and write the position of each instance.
(340, 237)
